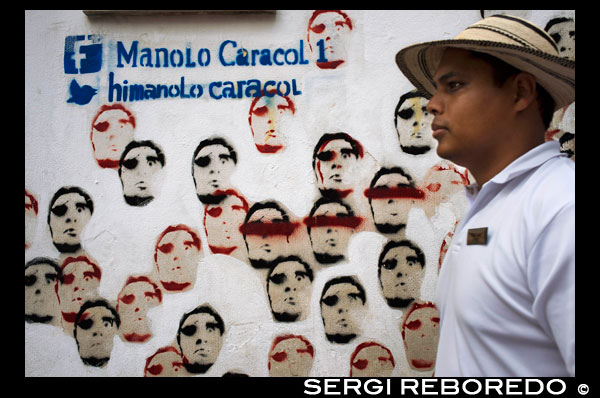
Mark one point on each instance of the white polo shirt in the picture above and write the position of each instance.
(507, 302)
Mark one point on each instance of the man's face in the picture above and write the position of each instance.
(111, 133)
(166, 364)
(421, 334)
(95, 332)
(40, 297)
(177, 259)
(372, 360)
(289, 288)
(213, 165)
(266, 245)
(80, 283)
(469, 110)
(200, 339)
(391, 209)
(138, 170)
(331, 240)
(222, 222)
(564, 35)
(413, 124)
(265, 115)
(333, 29)
(290, 358)
(134, 301)
(341, 309)
(335, 165)
(68, 217)
(401, 275)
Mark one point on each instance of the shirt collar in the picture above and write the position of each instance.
(528, 161)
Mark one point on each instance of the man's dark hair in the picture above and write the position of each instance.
(503, 70)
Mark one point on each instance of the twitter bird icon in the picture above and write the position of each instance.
(81, 95)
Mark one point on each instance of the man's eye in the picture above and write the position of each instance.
(260, 111)
(406, 113)
(30, 280)
(128, 298)
(390, 264)
(130, 163)
(202, 161)
(318, 28)
(414, 325)
(361, 363)
(325, 156)
(189, 330)
(102, 126)
(280, 356)
(278, 279)
(59, 210)
(166, 248)
(330, 300)
(85, 324)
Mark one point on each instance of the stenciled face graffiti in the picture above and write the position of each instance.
(176, 256)
(401, 269)
(421, 332)
(266, 230)
(371, 359)
(79, 283)
(562, 30)
(139, 164)
(213, 164)
(96, 325)
(70, 211)
(41, 303)
(289, 287)
(112, 129)
(343, 303)
(200, 337)
(441, 182)
(138, 295)
(392, 193)
(335, 159)
(330, 224)
(413, 123)
(290, 356)
(328, 32)
(31, 212)
(265, 114)
(222, 223)
(165, 362)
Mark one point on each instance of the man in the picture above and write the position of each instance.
(41, 302)
(112, 129)
(140, 162)
(290, 356)
(506, 290)
(401, 270)
(176, 255)
(330, 225)
(213, 164)
(413, 123)
(289, 286)
(200, 337)
(96, 325)
(264, 118)
(391, 194)
(70, 211)
(343, 303)
(139, 294)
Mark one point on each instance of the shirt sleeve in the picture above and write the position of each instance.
(551, 273)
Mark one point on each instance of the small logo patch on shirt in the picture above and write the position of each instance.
(477, 236)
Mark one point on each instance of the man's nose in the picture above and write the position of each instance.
(434, 106)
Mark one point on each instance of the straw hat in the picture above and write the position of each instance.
(514, 40)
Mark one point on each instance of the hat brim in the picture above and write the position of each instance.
(555, 74)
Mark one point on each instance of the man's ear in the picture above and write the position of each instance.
(524, 85)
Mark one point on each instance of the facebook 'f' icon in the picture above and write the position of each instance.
(83, 54)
